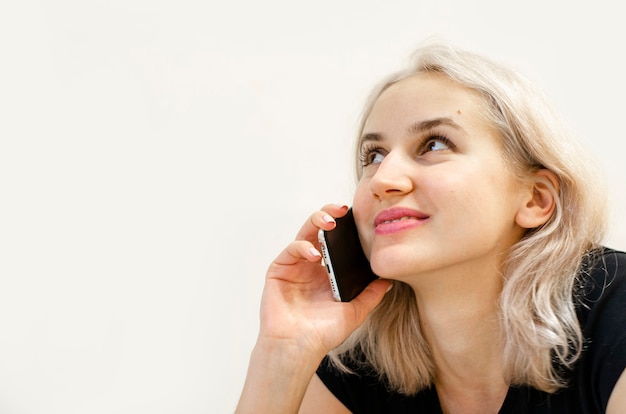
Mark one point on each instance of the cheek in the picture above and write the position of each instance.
(470, 198)
(483, 204)
(362, 209)
(361, 199)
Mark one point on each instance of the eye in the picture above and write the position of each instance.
(373, 155)
(436, 143)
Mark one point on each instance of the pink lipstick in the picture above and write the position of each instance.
(398, 219)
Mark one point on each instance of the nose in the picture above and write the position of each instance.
(391, 177)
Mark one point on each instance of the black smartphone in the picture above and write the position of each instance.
(348, 269)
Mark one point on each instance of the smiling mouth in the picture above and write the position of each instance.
(397, 220)
(403, 218)
(398, 214)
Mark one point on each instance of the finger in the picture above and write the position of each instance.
(369, 298)
(296, 251)
(323, 219)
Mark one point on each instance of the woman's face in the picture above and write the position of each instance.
(435, 194)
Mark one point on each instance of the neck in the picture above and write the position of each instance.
(459, 319)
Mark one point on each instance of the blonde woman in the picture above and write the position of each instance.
(484, 221)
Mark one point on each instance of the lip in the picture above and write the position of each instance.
(398, 219)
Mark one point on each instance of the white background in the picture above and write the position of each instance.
(156, 155)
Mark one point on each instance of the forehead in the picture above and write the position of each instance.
(424, 96)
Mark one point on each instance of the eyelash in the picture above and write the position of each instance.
(435, 137)
(369, 150)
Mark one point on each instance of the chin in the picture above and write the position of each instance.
(391, 267)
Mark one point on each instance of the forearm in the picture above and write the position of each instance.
(278, 376)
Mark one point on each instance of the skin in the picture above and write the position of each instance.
(451, 170)
(300, 323)
(471, 210)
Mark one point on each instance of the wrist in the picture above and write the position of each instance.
(286, 352)
(278, 376)
(292, 347)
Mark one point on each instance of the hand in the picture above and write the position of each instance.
(298, 307)
(300, 321)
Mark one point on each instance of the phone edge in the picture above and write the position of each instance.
(328, 264)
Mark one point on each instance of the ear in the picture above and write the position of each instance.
(539, 200)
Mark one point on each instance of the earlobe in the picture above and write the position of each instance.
(540, 200)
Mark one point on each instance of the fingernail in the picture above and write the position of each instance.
(340, 205)
(314, 252)
(328, 219)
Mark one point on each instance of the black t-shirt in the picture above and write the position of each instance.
(602, 314)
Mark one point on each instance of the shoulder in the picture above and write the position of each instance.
(601, 295)
(603, 273)
(601, 304)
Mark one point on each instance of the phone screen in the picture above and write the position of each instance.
(348, 269)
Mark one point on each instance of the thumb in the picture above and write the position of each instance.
(371, 296)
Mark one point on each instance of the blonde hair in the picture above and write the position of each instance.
(540, 328)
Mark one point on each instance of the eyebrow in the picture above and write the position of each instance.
(415, 128)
